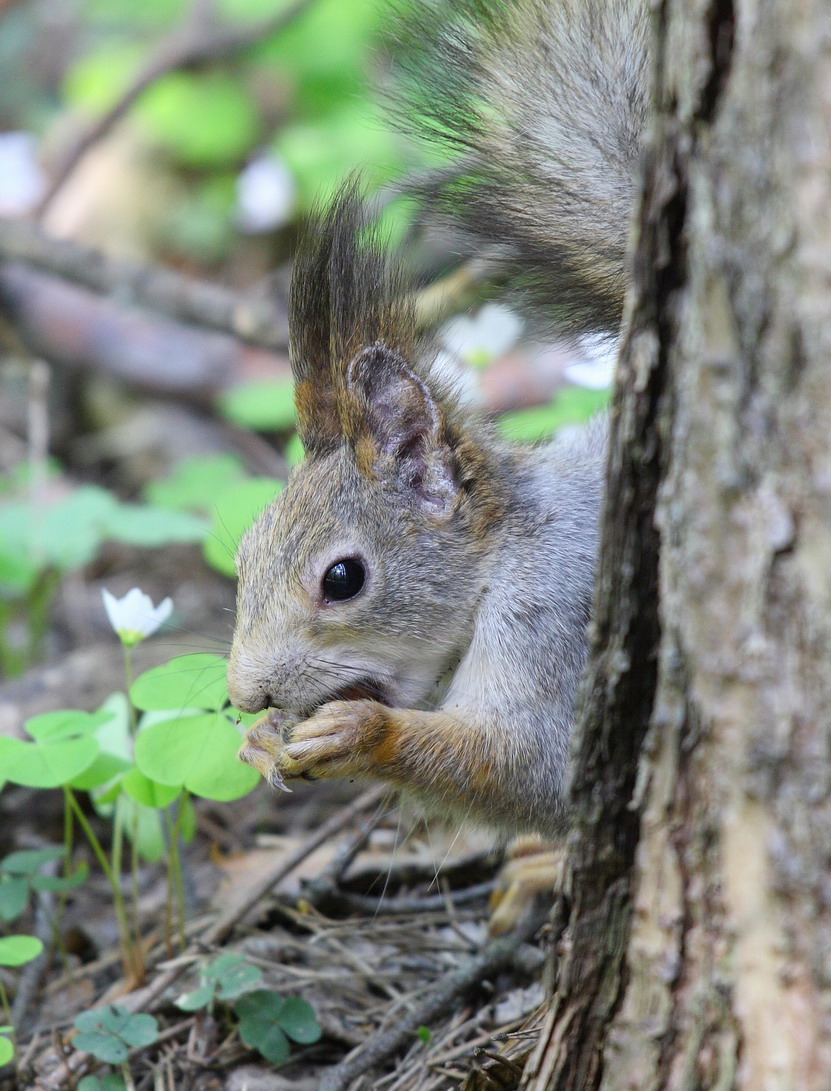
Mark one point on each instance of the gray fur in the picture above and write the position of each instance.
(471, 629)
(543, 105)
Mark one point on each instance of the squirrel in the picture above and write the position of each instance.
(413, 607)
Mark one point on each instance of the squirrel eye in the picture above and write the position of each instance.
(343, 580)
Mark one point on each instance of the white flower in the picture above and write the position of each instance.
(481, 338)
(134, 617)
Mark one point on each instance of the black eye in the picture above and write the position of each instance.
(343, 580)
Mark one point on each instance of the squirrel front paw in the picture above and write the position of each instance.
(341, 739)
(263, 745)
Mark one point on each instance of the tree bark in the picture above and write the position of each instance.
(697, 954)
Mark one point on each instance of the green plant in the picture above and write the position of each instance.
(111, 1082)
(219, 489)
(14, 951)
(140, 760)
(21, 874)
(40, 542)
(572, 405)
(267, 1021)
(227, 977)
(109, 1033)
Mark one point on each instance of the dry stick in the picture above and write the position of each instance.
(187, 47)
(221, 928)
(495, 957)
(159, 289)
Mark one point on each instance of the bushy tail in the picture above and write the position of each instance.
(543, 104)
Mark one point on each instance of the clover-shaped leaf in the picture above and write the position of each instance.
(259, 1026)
(187, 682)
(232, 975)
(64, 747)
(228, 976)
(199, 752)
(110, 1033)
(47, 765)
(268, 1020)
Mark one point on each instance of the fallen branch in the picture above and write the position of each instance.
(151, 286)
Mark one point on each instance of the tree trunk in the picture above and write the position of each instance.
(697, 954)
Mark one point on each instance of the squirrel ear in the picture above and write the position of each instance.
(398, 413)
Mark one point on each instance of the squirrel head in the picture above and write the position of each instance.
(361, 578)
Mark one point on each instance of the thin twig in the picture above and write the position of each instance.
(493, 958)
(188, 46)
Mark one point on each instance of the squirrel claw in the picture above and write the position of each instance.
(261, 748)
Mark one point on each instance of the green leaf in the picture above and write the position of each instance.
(103, 769)
(143, 525)
(65, 724)
(264, 406)
(294, 453)
(48, 765)
(425, 1034)
(203, 120)
(6, 1050)
(199, 752)
(199, 998)
(573, 405)
(233, 513)
(195, 482)
(111, 1082)
(144, 827)
(110, 1033)
(149, 792)
(16, 950)
(60, 882)
(223, 964)
(97, 80)
(28, 861)
(297, 1018)
(239, 980)
(14, 896)
(71, 532)
(189, 681)
(259, 1026)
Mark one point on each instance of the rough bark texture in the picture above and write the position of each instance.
(698, 951)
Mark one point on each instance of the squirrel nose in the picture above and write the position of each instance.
(254, 701)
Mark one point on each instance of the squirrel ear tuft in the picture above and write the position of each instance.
(396, 411)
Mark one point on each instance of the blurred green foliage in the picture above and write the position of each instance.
(305, 95)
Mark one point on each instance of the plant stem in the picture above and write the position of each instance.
(130, 951)
(5, 1005)
(129, 678)
(175, 879)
